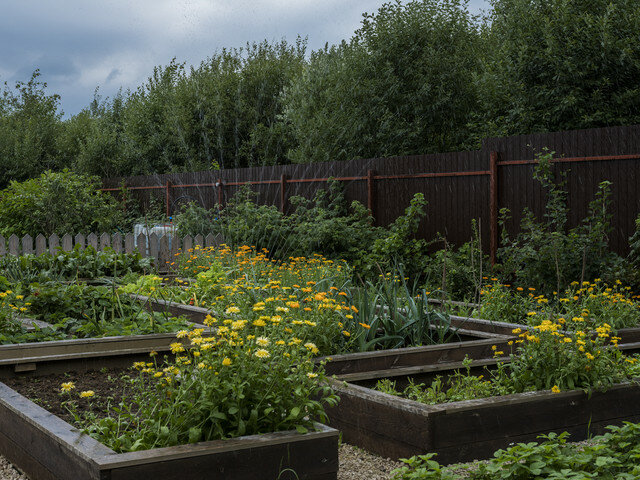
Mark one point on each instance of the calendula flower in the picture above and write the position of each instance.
(555, 389)
(262, 353)
(311, 347)
(87, 394)
(262, 341)
(226, 361)
(67, 387)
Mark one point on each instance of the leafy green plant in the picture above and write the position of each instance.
(608, 457)
(391, 313)
(546, 255)
(246, 385)
(78, 263)
(194, 220)
(57, 202)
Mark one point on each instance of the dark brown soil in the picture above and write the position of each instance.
(109, 387)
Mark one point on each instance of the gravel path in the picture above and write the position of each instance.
(357, 464)
(8, 472)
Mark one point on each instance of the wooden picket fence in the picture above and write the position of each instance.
(162, 248)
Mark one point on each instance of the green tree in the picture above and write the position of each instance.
(561, 64)
(29, 127)
(404, 84)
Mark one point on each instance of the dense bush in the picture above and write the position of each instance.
(61, 203)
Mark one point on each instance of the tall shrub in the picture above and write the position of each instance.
(57, 202)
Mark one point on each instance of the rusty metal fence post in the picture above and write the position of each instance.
(493, 206)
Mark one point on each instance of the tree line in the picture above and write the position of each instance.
(419, 76)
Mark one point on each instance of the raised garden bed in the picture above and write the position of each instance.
(46, 447)
(80, 354)
(630, 337)
(473, 429)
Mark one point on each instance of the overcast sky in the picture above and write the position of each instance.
(79, 45)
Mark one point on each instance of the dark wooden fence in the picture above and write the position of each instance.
(459, 186)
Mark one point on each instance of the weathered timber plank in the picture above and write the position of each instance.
(310, 456)
(52, 443)
(193, 313)
(410, 356)
(462, 431)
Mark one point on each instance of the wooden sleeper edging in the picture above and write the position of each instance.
(47, 448)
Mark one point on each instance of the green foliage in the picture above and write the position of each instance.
(404, 84)
(243, 386)
(457, 273)
(194, 220)
(222, 114)
(546, 255)
(61, 203)
(543, 358)
(560, 65)
(244, 222)
(29, 128)
(607, 457)
(391, 313)
(327, 226)
(82, 311)
(459, 386)
(79, 263)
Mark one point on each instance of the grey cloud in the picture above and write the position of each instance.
(113, 74)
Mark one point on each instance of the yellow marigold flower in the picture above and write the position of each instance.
(494, 348)
(555, 389)
(280, 342)
(87, 394)
(345, 333)
(231, 310)
(226, 361)
(262, 353)
(182, 334)
(176, 347)
(566, 340)
(138, 365)
(589, 356)
(516, 330)
(262, 341)
(158, 374)
(67, 387)
(259, 323)
(531, 314)
(312, 375)
(364, 325)
(311, 347)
